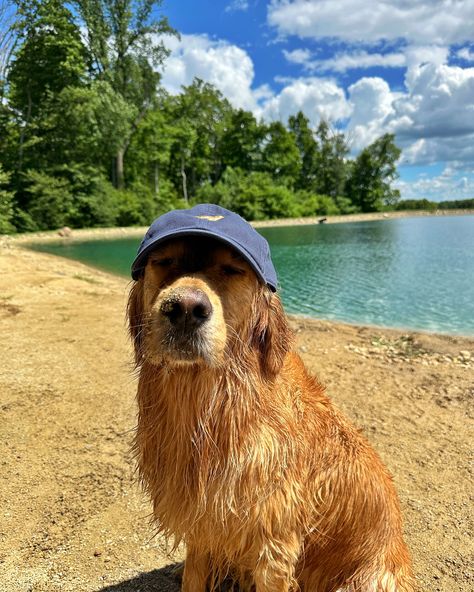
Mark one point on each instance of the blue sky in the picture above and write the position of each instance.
(370, 67)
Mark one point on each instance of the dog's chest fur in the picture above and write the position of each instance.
(209, 461)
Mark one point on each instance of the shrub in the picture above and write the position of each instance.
(50, 200)
(6, 205)
(312, 204)
(255, 196)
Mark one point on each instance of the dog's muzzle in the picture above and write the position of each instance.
(187, 309)
(187, 324)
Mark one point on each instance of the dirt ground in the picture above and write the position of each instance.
(72, 516)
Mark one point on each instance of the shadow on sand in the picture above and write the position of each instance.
(166, 579)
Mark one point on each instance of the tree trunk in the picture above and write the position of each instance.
(157, 180)
(119, 178)
(22, 139)
(183, 175)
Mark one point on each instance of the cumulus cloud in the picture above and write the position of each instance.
(450, 184)
(228, 67)
(433, 118)
(371, 21)
(318, 98)
(457, 151)
(372, 104)
(432, 114)
(466, 54)
(439, 103)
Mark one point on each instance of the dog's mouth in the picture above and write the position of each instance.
(185, 346)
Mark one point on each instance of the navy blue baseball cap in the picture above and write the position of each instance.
(216, 222)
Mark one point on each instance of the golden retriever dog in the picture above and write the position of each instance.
(245, 458)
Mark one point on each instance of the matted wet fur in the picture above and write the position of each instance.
(245, 458)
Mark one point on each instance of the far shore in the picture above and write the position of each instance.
(139, 231)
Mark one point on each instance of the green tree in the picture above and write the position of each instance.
(125, 47)
(372, 173)
(149, 153)
(280, 154)
(49, 58)
(417, 204)
(242, 142)
(88, 125)
(312, 204)
(6, 205)
(51, 55)
(198, 118)
(307, 147)
(50, 200)
(330, 166)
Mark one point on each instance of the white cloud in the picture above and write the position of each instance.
(298, 56)
(419, 55)
(228, 67)
(342, 62)
(466, 54)
(433, 118)
(450, 184)
(371, 21)
(439, 103)
(457, 151)
(372, 107)
(318, 98)
(237, 5)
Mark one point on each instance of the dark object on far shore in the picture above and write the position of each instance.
(322, 220)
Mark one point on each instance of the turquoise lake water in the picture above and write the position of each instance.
(413, 273)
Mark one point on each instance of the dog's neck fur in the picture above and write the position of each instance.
(199, 431)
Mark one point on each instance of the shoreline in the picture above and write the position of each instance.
(372, 327)
(75, 519)
(138, 231)
(78, 235)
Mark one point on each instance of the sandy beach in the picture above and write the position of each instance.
(72, 515)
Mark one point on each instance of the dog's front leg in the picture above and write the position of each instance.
(275, 571)
(267, 580)
(196, 571)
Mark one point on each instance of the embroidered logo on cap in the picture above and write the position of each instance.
(210, 218)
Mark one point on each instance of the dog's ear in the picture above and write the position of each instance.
(273, 337)
(135, 318)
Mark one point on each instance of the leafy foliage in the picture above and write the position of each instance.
(89, 138)
(425, 204)
(125, 48)
(50, 200)
(371, 175)
(254, 196)
(6, 205)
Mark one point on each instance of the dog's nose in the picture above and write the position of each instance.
(187, 308)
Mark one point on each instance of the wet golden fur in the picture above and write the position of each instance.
(245, 458)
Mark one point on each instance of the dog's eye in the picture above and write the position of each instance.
(231, 270)
(164, 262)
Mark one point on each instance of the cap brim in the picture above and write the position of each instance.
(139, 263)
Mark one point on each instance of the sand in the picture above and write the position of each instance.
(72, 515)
